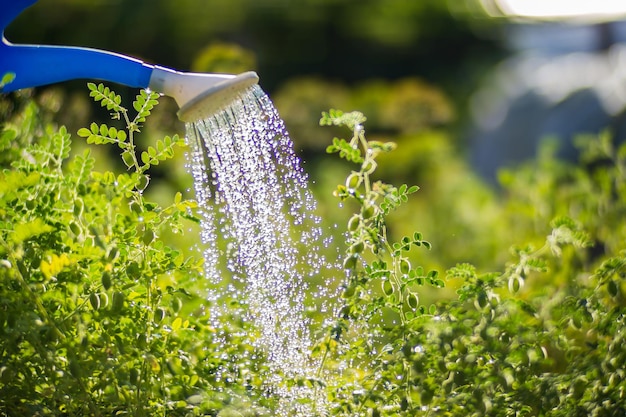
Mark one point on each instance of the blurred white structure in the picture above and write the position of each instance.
(558, 9)
(567, 76)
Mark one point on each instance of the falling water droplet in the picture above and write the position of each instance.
(254, 199)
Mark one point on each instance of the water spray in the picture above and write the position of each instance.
(198, 95)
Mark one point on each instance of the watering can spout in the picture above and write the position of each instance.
(36, 65)
(199, 95)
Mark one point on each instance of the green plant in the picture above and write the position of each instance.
(6, 79)
(98, 315)
(381, 295)
(542, 337)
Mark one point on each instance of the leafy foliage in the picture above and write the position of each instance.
(99, 315)
(103, 134)
(542, 337)
(106, 97)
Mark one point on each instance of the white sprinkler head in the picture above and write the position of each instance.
(200, 95)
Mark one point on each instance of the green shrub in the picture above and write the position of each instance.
(98, 314)
(543, 337)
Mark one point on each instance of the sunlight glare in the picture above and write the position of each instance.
(563, 8)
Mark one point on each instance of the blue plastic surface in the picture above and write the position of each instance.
(10, 9)
(36, 65)
(40, 65)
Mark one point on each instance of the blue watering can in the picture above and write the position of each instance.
(197, 95)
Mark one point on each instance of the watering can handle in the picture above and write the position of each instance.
(35, 65)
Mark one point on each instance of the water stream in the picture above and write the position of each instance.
(260, 234)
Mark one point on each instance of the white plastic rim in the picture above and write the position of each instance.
(216, 98)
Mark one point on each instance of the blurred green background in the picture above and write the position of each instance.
(340, 39)
(347, 43)
(411, 66)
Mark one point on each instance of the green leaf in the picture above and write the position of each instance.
(81, 167)
(345, 150)
(7, 78)
(145, 158)
(128, 158)
(338, 118)
(99, 135)
(84, 132)
(465, 271)
(11, 181)
(611, 266)
(7, 137)
(61, 144)
(143, 105)
(26, 231)
(413, 300)
(164, 150)
(106, 97)
(138, 104)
